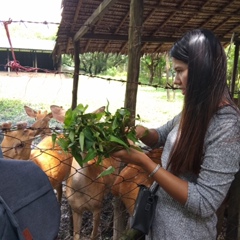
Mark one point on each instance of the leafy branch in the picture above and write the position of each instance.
(96, 135)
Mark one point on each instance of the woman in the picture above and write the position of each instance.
(201, 145)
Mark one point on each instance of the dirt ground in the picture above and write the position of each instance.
(105, 228)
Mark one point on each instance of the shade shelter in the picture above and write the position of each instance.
(137, 27)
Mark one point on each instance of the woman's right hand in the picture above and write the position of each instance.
(148, 136)
(141, 131)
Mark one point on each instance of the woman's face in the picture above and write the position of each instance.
(181, 76)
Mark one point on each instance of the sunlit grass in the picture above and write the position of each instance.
(40, 91)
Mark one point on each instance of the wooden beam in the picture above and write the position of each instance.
(191, 11)
(117, 29)
(124, 38)
(98, 13)
(165, 23)
(74, 21)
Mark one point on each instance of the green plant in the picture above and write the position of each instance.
(98, 134)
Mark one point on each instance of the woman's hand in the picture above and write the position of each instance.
(141, 131)
(132, 156)
(148, 136)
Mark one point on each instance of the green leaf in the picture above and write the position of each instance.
(78, 157)
(117, 140)
(88, 144)
(68, 118)
(99, 116)
(100, 147)
(138, 117)
(80, 108)
(88, 134)
(81, 140)
(106, 172)
(115, 124)
(91, 154)
(107, 108)
(99, 159)
(64, 144)
(54, 137)
(71, 136)
(132, 136)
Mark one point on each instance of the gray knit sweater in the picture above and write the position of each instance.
(197, 219)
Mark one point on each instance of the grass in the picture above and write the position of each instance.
(42, 90)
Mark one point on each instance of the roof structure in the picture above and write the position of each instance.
(104, 25)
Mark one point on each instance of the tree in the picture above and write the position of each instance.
(230, 60)
(30, 31)
(99, 62)
(168, 74)
(153, 66)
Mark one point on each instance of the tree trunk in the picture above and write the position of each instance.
(151, 68)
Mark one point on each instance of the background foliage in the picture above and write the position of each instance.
(155, 68)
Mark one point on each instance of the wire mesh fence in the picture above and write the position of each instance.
(92, 207)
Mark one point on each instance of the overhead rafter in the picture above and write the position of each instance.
(74, 20)
(116, 31)
(166, 21)
(191, 11)
(124, 38)
(103, 7)
(102, 25)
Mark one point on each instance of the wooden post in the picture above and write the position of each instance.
(134, 55)
(35, 62)
(76, 74)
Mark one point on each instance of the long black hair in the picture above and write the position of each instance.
(206, 91)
